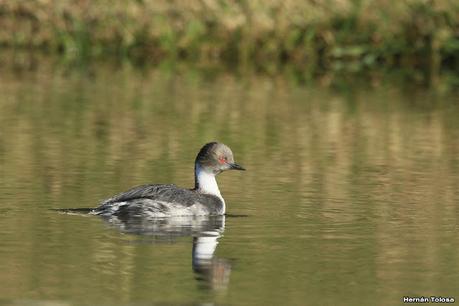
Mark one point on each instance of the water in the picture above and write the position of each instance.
(351, 195)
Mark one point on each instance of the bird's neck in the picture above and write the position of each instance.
(205, 182)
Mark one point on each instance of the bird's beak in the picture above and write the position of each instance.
(234, 166)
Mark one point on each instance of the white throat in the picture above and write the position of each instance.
(207, 182)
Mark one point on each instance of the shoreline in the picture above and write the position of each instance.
(413, 34)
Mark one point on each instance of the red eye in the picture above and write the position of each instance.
(222, 159)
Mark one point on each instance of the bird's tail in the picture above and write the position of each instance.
(74, 211)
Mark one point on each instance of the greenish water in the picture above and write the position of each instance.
(351, 195)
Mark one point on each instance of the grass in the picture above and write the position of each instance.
(326, 33)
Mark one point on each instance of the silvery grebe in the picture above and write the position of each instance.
(157, 200)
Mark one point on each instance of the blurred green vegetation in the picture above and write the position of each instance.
(326, 33)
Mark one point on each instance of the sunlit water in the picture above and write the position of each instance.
(351, 195)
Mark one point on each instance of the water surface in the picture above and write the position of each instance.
(351, 195)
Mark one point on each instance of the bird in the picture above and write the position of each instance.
(168, 200)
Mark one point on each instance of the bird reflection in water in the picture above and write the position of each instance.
(211, 272)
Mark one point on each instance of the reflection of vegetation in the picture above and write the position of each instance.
(401, 33)
(348, 187)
